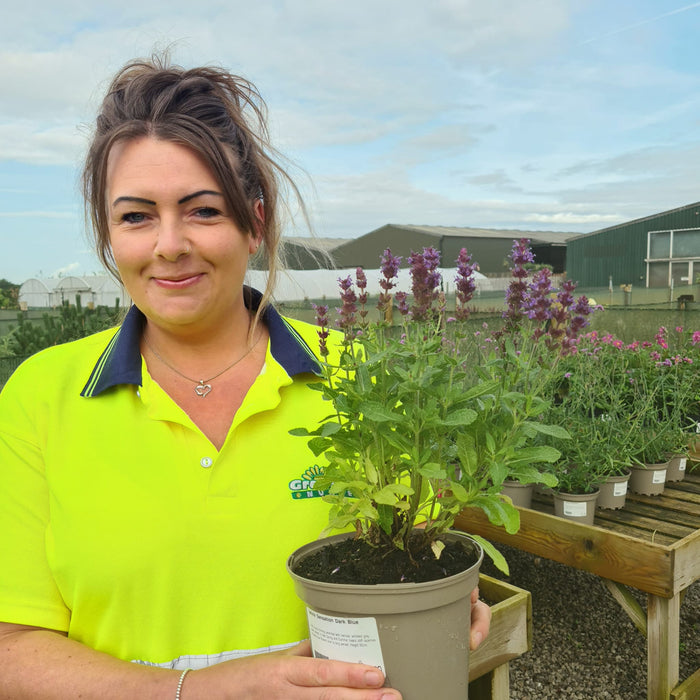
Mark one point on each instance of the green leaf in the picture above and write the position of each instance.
(371, 472)
(319, 445)
(375, 411)
(463, 416)
(385, 516)
(330, 428)
(499, 512)
(496, 557)
(490, 443)
(543, 453)
(528, 474)
(552, 430)
(459, 492)
(432, 470)
(389, 495)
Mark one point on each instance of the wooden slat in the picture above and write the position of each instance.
(691, 484)
(669, 506)
(652, 524)
(628, 603)
(689, 689)
(644, 565)
(510, 634)
(686, 562)
(612, 525)
(674, 495)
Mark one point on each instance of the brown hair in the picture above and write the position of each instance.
(219, 116)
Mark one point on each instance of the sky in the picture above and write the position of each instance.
(561, 115)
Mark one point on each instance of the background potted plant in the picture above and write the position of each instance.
(592, 396)
(543, 325)
(677, 352)
(660, 397)
(417, 429)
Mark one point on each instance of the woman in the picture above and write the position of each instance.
(147, 513)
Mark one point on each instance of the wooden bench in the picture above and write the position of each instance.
(510, 636)
(652, 544)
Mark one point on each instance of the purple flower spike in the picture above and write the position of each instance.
(348, 311)
(520, 256)
(579, 317)
(390, 269)
(321, 311)
(537, 302)
(402, 303)
(425, 281)
(464, 283)
(361, 282)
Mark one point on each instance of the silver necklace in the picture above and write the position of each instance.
(203, 386)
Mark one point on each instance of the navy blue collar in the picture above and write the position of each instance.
(120, 363)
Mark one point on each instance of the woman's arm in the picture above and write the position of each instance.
(41, 664)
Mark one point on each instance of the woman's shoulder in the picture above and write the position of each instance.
(73, 360)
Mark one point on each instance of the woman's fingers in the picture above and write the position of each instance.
(481, 620)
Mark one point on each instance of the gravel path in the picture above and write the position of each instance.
(584, 645)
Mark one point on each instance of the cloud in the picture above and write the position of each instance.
(642, 162)
(498, 178)
(453, 112)
(32, 142)
(66, 270)
(331, 75)
(567, 218)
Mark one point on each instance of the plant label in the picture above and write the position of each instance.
(620, 488)
(573, 509)
(354, 639)
(681, 464)
(658, 477)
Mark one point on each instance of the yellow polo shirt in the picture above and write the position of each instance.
(122, 525)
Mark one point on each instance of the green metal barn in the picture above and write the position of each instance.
(489, 247)
(662, 250)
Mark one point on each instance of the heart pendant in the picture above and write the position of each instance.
(202, 389)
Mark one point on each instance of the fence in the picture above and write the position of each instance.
(629, 315)
(7, 366)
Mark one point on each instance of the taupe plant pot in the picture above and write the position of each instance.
(520, 494)
(648, 480)
(676, 468)
(579, 507)
(613, 491)
(422, 628)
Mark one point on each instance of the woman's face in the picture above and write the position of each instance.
(179, 253)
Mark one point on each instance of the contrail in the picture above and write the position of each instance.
(640, 23)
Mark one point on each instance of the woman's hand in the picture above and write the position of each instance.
(289, 675)
(45, 665)
(481, 621)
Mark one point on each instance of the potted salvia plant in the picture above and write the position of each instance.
(655, 398)
(592, 396)
(542, 326)
(416, 431)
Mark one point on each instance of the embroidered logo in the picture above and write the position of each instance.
(304, 486)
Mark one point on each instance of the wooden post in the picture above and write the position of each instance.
(663, 623)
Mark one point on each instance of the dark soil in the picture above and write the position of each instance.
(358, 562)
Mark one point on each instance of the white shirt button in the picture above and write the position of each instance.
(206, 462)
